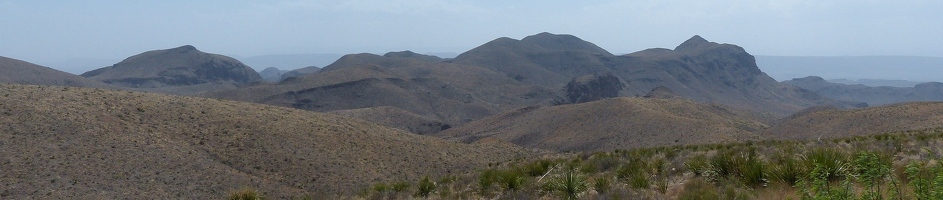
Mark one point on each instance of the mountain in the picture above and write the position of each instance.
(932, 91)
(697, 69)
(450, 93)
(183, 67)
(22, 72)
(272, 74)
(876, 82)
(83, 143)
(824, 123)
(299, 72)
(614, 123)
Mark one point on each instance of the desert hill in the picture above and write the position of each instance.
(614, 123)
(83, 143)
(183, 67)
(932, 91)
(451, 93)
(22, 72)
(831, 123)
(396, 118)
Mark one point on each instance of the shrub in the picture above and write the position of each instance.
(602, 184)
(537, 168)
(698, 189)
(510, 180)
(788, 170)
(245, 194)
(871, 169)
(697, 164)
(399, 187)
(568, 185)
(425, 187)
(834, 162)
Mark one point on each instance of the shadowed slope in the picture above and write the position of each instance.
(608, 124)
(78, 143)
(395, 118)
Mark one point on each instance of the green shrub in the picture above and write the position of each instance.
(399, 187)
(787, 170)
(245, 194)
(425, 187)
(510, 180)
(697, 164)
(872, 169)
(602, 184)
(537, 168)
(927, 183)
(568, 185)
(834, 162)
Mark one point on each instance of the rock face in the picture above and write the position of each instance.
(181, 66)
(874, 96)
(593, 87)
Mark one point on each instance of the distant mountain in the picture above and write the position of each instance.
(932, 91)
(451, 93)
(697, 69)
(79, 143)
(183, 66)
(22, 72)
(909, 68)
(272, 74)
(610, 124)
(299, 72)
(823, 123)
(876, 82)
(289, 61)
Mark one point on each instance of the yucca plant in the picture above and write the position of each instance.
(425, 187)
(568, 185)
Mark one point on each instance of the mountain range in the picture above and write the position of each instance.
(185, 124)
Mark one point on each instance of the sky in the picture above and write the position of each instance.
(61, 31)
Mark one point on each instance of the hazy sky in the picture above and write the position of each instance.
(55, 31)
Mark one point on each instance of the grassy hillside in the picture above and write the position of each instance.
(831, 123)
(615, 123)
(81, 143)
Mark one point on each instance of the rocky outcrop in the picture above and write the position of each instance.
(593, 87)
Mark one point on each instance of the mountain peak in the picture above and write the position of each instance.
(694, 42)
(184, 49)
(562, 42)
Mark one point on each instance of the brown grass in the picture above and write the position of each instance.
(63, 142)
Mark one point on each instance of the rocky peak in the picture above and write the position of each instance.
(593, 87)
(694, 43)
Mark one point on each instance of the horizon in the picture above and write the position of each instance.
(69, 32)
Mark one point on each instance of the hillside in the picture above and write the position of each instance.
(82, 143)
(833, 123)
(22, 72)
(874, 96)
(451, 93)
(395, 118)
(614, 123)
(183, 67)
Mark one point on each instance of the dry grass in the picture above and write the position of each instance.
(833, 123)
(63, 142)
(617, 123)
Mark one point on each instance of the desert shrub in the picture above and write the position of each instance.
(634, 173)
(245, 194)
(871, 169)
(425, 187)
(787, 170)
(833, 162)
(510, 180)
(399, 187)
(568, 185)
(698, 189)
(697, 164)
(602, 184)
(926, 182)
(537, 168)
(816, 186)
(486, 180)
